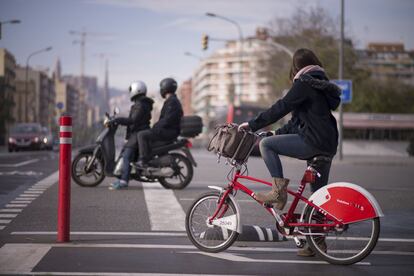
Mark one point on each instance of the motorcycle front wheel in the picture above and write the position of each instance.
(183, 173)
(87, 178)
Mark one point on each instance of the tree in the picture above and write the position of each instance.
(315, 29)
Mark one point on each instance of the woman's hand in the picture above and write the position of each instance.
(244, 126)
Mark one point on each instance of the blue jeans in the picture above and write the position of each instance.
(128, 156)
(291, 145)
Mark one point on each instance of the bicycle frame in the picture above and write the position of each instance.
(287, 220)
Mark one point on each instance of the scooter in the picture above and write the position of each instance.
(171, 164)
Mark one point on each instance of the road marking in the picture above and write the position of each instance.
(165, 213)
(20, 201)
(24, 257)
(16, 205)
(111, 274)
(19, 164)
(10, 210)
(24, 173)
(166, 234)
(8, 215)
(5, 221)
(48, 181)
(24, 199)
(21, 257)
(236, 258)
(33, 192)
(162, 234)
(29, 195)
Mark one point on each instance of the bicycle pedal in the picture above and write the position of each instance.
(299, 242)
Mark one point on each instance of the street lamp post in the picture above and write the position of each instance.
(14, 21)
(238, 98)
(340, 77)
(27, 76)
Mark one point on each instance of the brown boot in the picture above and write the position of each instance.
(306, 251)
(277, 195)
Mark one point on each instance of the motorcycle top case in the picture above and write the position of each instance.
(191, 126)
(229, 142)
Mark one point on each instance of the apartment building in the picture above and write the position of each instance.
(67, 99)
(184, 93)
(229, 77)
(388, 61)
(7, 92)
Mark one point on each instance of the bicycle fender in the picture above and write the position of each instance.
(236, 205)
(346, 202)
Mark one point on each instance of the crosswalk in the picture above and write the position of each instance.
(17, 205)
(168, 216)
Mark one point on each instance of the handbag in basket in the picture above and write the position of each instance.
(229, 142)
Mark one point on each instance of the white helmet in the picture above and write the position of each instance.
(137, 88)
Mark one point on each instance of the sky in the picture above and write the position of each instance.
(146, 40)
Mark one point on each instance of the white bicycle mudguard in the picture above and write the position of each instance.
(228, 222)
(346, 202)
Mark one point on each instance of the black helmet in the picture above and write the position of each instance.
(167, 85)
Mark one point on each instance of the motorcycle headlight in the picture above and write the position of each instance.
(45, 140)
(12, 140)
(36, 139)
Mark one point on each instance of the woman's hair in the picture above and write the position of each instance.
(302, 58)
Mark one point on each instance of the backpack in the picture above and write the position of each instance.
(229, 142)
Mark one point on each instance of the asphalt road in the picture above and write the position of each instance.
(140, 231)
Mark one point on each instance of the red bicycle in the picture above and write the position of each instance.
(344, 215)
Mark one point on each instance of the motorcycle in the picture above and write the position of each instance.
(171, 164)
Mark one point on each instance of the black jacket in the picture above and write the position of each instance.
(170, 117)
(139, 119)
(310, 99)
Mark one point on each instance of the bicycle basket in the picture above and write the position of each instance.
(231, 143)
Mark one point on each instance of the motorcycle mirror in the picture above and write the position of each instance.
(116, 110)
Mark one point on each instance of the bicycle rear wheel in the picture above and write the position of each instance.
(343, 246)
(205, 236)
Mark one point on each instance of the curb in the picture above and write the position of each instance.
(258, 233)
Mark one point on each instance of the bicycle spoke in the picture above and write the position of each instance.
(208, 237)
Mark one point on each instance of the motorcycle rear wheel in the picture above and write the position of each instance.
(183, 173)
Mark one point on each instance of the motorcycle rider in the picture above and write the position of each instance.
(168, 126)
(137, 121)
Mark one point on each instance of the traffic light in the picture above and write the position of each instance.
(204, 41)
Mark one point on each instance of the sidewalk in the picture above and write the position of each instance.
(375, 148)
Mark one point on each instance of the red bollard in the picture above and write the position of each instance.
(65, 141)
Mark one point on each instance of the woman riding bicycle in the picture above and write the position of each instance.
(311, 131)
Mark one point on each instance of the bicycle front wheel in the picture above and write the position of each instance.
(208, 236)
(342, 246)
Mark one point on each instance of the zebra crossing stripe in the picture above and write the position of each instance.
(10, 210)
(8, 215)
(165, 212)
(16, 205)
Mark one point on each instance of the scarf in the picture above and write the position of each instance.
(307, 69)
